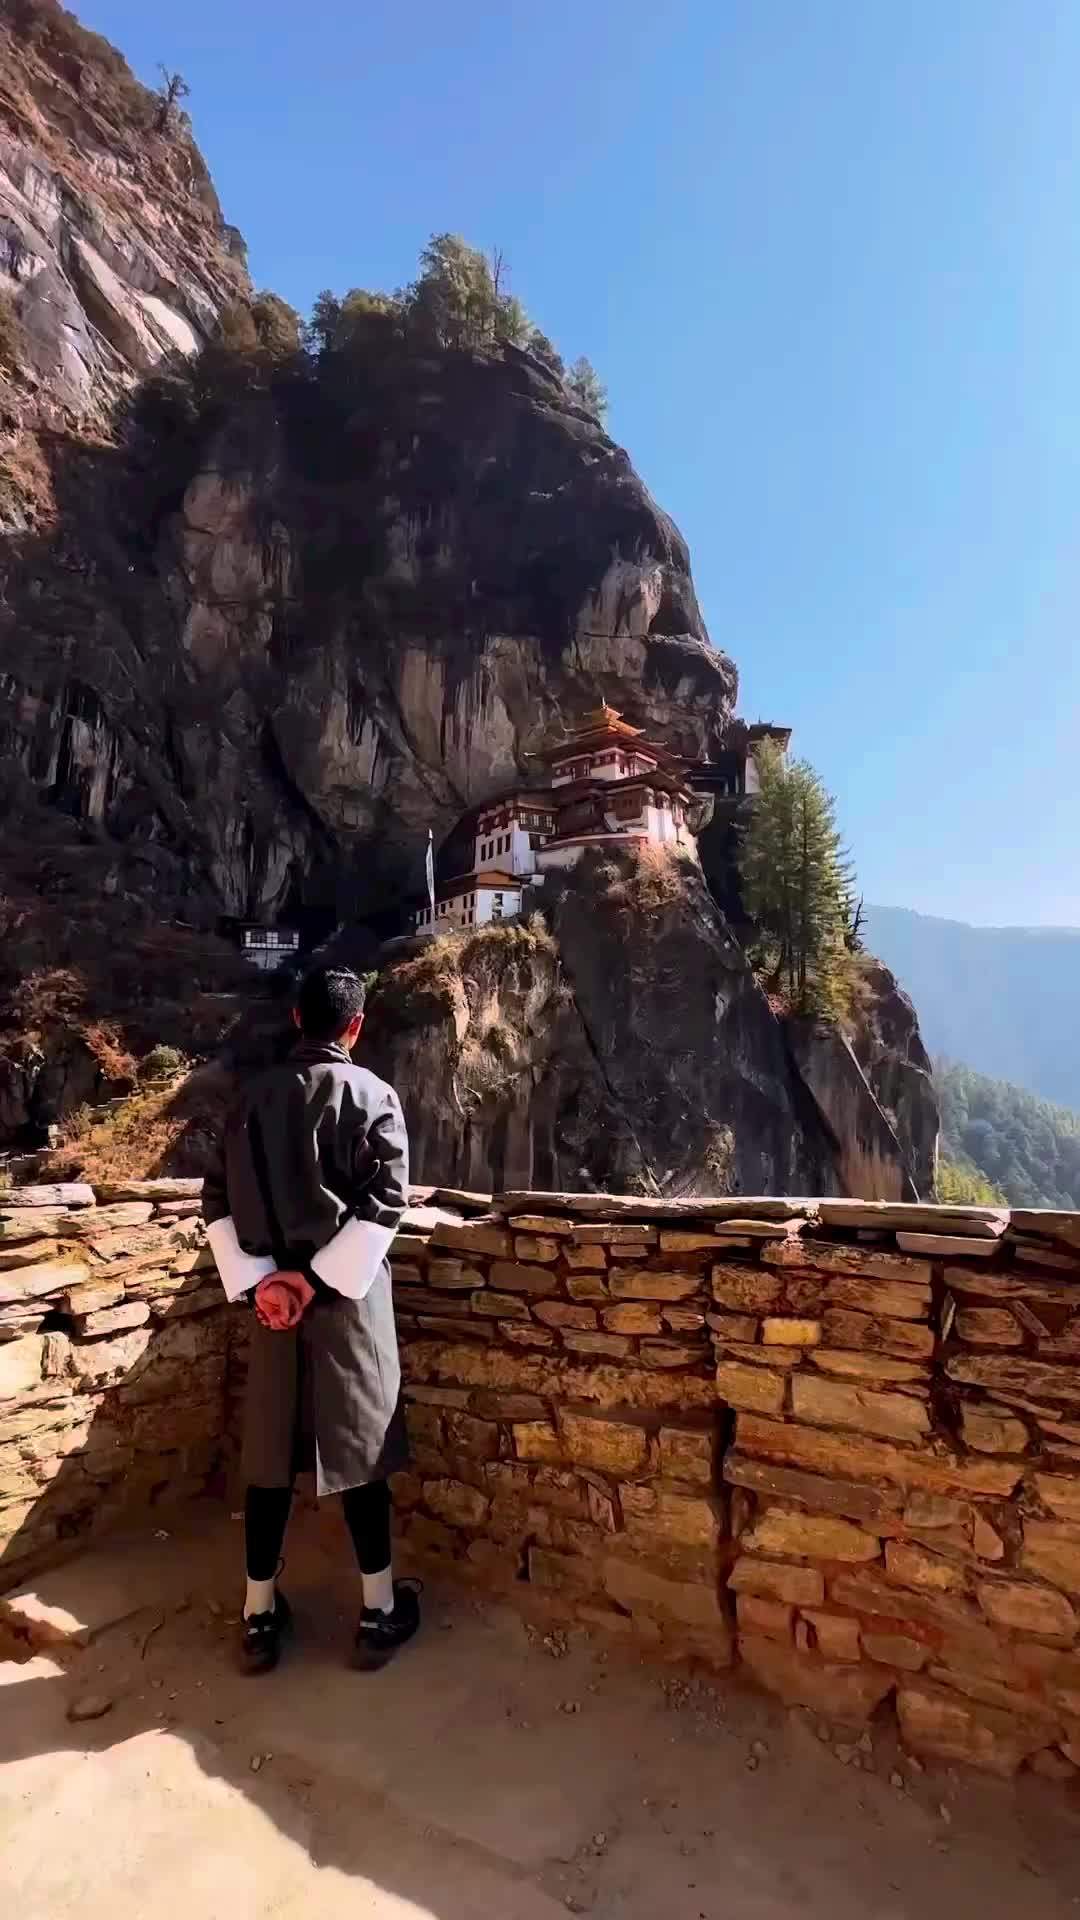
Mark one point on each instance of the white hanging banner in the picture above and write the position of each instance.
(429, 866)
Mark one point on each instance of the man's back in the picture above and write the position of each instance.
(310, 1143)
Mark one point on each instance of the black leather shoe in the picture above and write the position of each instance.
(261, 1636)
(379, 1635)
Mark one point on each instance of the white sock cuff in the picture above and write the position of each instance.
(379, 1590)
(259, 1597)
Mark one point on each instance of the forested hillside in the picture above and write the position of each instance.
(1005, 999)
(1027, 1148)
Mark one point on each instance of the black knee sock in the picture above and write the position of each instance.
(266, 1515)
(367, 1516)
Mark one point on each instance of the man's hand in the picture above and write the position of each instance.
(282, 1299)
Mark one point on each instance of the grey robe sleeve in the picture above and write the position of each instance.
(238, 1271)
(388, 1193)
(350, 1261)
(215, 1192)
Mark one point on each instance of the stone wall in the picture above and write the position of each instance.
(837, 1442)
(113, 1335)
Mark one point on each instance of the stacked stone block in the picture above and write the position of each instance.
(113, 1341)
(563, 1415)
(840, 1440)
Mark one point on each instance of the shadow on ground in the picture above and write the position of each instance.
(493, 1771)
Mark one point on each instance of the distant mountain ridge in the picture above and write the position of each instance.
(1004, 1000)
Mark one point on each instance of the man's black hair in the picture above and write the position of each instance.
(328, 1001)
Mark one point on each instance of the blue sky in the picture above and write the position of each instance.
(826, 256)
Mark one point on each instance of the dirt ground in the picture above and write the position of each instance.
(495, 1772)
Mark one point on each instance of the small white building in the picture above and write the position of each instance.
(511, 833)
(472, 900)
(732, 774)
(269, 947)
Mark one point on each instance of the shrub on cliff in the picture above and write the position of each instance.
(458, 301)
(160, 1062)
(267, 326)
(87, 61)
(12, 345)
(959, 1184)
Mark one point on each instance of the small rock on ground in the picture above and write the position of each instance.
(89, 1706)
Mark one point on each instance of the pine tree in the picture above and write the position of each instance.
(796, 883)
(586, 386)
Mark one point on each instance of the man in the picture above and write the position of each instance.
(312, 1182)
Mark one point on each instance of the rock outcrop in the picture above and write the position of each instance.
(871, 1155)
(305, 641)
(629, 1048)
(113, 250)
(889, 1048)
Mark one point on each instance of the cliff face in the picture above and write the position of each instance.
(625, 1046)
(890, 1050)
(264, 621)
(113, 250)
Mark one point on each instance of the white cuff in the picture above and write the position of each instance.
(350, 1261)
(239, 1270)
